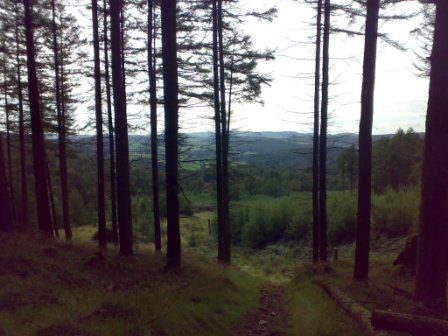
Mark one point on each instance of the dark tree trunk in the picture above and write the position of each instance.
(361, 271)
(102, 241)
(5, 214)
(409, 324)
(121, 132)
(113, 187)
(63, 159)
(225, 256)
(39, 157)
(8, 152)
(52, 204)
(218, 135)
(123, 46)
(171, 87)
(61, 129)
(23, 180)
(323, 137)
(433, 230)
(316, 135)
(153, 114)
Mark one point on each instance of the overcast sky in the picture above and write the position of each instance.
(400, 96)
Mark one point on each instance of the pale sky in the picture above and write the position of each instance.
(400, 96)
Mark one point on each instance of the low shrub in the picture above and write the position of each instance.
(270, 221)
(143, 218)
(395, 213)
(342, 212)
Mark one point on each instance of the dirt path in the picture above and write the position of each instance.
(270, 317)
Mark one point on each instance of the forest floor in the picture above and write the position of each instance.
(270, 317)
(56, 288)
(51, 287)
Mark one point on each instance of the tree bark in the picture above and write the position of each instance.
(5, 214)
(61, 129)
(153, 117)
(63, 153)
(8, 150)
(23, 179)
(121, 131)
(171, 88)
(9, 155)
(323, 137)
(52, 204)
(102, 240)
(218, 135)
(123, 44)
(224, 240)
(412, 324)
(316, 135)
(433, 230)
(110, 126)
(39, 156)
(361, 271)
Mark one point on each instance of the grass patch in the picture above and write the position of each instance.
(378, 292)
(49, 288)
(315, 313)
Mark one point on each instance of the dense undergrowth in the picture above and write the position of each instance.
(261, 220)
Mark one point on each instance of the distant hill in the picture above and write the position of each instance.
(267, 148)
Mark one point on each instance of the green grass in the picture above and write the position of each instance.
(203, 199)
(315, 313)
(377, 293)
(48, 286)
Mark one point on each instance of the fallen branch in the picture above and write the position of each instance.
(412, 324)
(360, 314)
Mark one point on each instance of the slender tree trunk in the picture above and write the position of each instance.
(39, 157)
(433, 231)
(102, 241)
(123, 46)
(153, 113)
(5, 214)
(218, 135)
(113, 187)
(316, 135)
(52, 204)
(8, 152)
(121, 131)
(23, 180)
(63, 153)
(323, 137)
(171, 88)
(229, 103)
(225, 256)
(361, 272)
(61, 130)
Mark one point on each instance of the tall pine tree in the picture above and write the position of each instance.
(121, 133)
(361, 271)
(171, 88)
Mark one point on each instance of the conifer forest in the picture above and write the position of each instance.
(223, 167)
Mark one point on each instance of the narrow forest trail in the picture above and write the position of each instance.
(271, 315)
